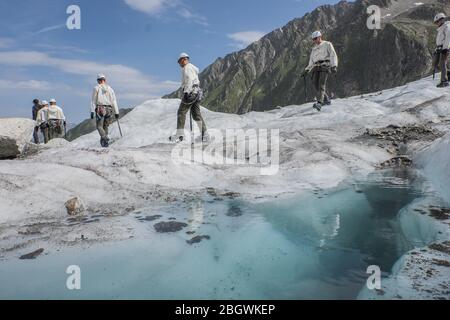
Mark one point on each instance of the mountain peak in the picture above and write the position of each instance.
(266, 74)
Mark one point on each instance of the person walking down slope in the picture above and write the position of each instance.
(42, 121)
(442, 47)
(322, 63)
(192, 95)
(56, 120)
(36, 107)
(104, 108)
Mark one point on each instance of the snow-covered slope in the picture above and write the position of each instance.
(317, 151)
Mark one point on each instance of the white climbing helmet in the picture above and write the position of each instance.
(316, 34)
(183, 56)
(44, 103)
(439, 16)
(52, 101)
(101, 76)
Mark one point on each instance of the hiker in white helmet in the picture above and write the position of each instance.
(191, 97)
(442, 47)
(42, 121)
(322, 62)
(56, 120)
(104, 108)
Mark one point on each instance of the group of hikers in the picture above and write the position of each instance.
(50, 120)
(323, 62)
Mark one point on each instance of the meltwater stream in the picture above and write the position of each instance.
(314, 246)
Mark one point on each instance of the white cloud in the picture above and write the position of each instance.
(6, 43)
(128, 82)
(49, 48)
(153, 7)
(148, 6)
(244, 38)
(25, 85)
(50, 28)
(193, 17)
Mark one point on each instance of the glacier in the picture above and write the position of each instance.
(324, 152)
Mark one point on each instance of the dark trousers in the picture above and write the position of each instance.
(104, 120)
(54, 129)
(441, 60)
(36, 135)
(190, 102)
(443, 66)
(320, 78)
(45, 131)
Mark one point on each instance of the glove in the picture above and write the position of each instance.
(65, 124)
(117, 116)
(334, 70)
(92, 115)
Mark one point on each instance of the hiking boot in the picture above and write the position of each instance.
(203, 139)
(443, 84)
(104, 142)
(176, 139)
(327, 102)
(206, 137)
(318, 106)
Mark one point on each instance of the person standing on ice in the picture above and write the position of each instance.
(42, 120)
(322, 62)
(36, 107)
(442, 47)
(192, 95)
(56, 120)
(104, 107)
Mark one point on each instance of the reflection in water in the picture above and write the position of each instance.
(315, 246)
(196, 214)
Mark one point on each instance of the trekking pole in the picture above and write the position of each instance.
(65, 131)
(306, 89)
(120, 129)
(435, 66)
(192, 127)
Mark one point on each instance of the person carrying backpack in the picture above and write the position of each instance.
(42, 121)
(104, 108)
(191, 97)
(322, 63)
(56, 120)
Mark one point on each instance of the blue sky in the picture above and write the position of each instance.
(134, 42)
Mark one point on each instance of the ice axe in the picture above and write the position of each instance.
(120, 129)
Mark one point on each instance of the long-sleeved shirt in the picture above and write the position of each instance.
(104, 95)
(42, 116)
(323, 52)
(443, 36)
(189, 78)
(55, 113)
